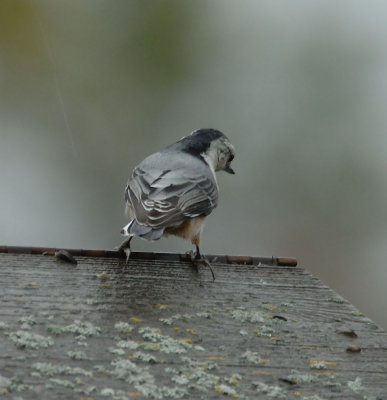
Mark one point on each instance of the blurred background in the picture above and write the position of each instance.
(88, 89)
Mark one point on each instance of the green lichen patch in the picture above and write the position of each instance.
(195, 374)
(357, 387)
(139, 355)
(108, 392)
(55, 329)
(204, 365)
(318, 364)
(29, 340)
(49, 369)
(267, 306)
(150, 346)
(78, 327)
(127, 344)
(155, 392)
(77, 355)
(130, 372)
(225, 389)
(83, 328)
(253, 357)
(204, 314)
(180, 379)
(337, 299)
(173, 393)
(86, 390)
(81, 341)
(5, 382)
(3, 326)
(8, 385)
(264, 330)
(119, 352)
(331, 382)
(271, 391)
(176, 317)
(27, 322)
(123, 327)
(166, 343)
(248, 316)
(62, 382)
(297, 377)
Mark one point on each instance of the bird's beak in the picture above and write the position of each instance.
(229, 170)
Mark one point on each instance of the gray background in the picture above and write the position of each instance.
(88, 89)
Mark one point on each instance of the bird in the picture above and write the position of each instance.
(172, 192)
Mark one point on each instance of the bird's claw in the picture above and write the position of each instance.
(202, 261)
(127, 251)
(191, 255)
(125, 247)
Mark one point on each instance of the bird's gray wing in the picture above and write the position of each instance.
(166, 198)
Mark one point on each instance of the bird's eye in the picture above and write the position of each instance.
(231, 158)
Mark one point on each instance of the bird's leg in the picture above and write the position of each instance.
(200, 259)
(125, 246)
(198, 256)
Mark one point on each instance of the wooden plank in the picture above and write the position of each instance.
(159, 329)
(138, 255)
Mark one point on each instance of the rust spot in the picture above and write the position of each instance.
(104, 276)
(353, 349)
(33, 284)
(161, 306)
(326, 363)
(257, 372)
(240, 260)
(286, 261)
(306, 347)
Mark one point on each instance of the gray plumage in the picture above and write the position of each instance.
(176, 184)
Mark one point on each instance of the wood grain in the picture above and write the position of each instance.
(257, 332)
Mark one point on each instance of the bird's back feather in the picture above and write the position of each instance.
(165, 197)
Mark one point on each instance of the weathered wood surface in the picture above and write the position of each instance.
(159, 329)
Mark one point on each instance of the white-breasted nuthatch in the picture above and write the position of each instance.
(173, 191)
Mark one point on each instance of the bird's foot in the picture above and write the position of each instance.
(191, 254)
(127, 252)
(200, 260)
(125, 247)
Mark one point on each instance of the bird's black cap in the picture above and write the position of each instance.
(198, 141)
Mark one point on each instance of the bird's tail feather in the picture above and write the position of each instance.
(133, 228)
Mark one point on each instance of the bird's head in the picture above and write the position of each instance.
(213, 146)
